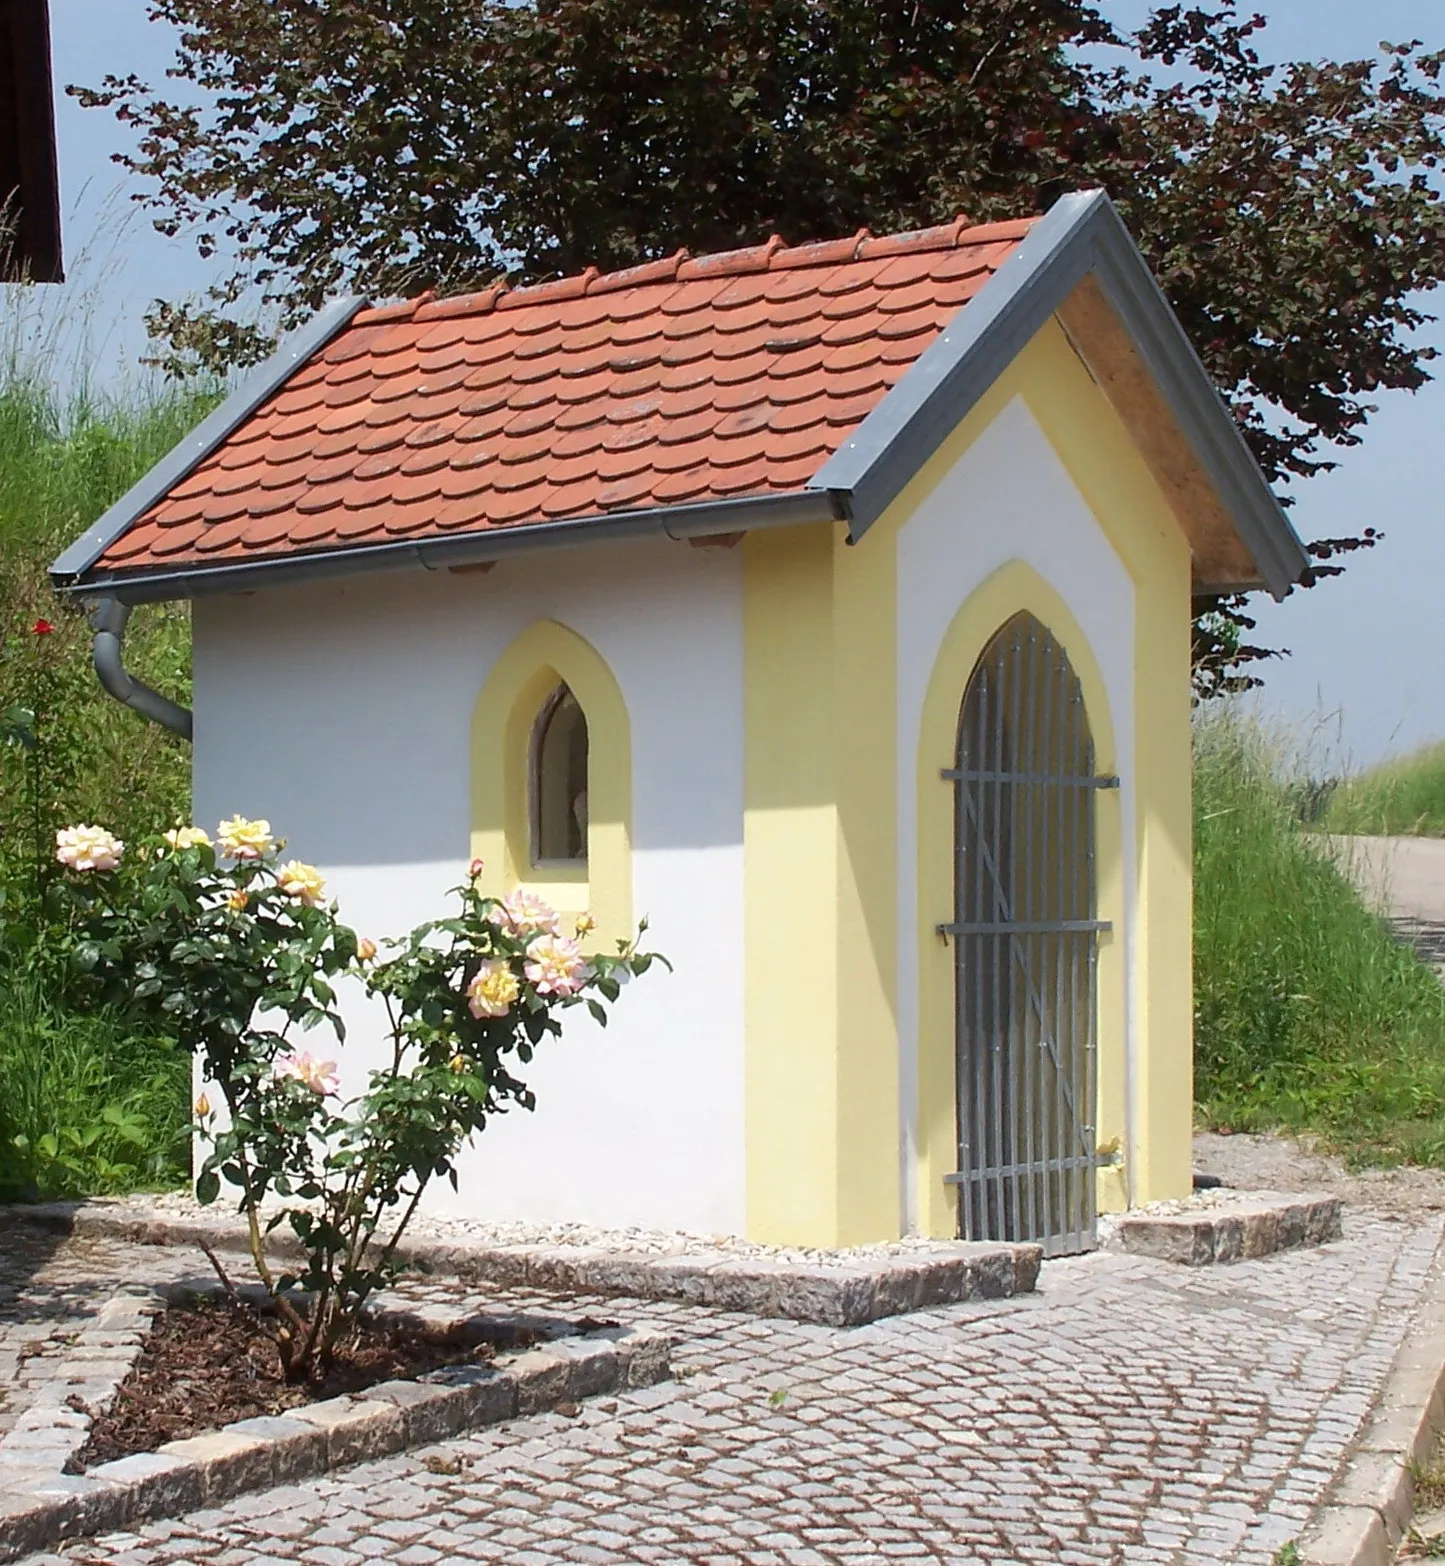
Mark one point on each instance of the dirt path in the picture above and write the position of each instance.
(1404, 877)
(1278, 1163)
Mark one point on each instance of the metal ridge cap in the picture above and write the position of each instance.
(183, 459)
(1081, 234)
(709, 518)
(955, 370)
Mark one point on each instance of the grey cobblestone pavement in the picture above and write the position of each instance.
(1129, 1412)
(48, 1291)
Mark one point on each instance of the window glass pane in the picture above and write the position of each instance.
(559, 780)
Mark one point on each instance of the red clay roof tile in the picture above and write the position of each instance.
(676, 381)
(824, 252)
(661, 271)
(546, 293)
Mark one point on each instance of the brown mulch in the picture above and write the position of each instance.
(210, 1362)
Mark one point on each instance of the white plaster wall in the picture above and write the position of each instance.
(1007, 498)
(340, 711)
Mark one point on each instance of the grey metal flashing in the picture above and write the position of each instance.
(709, 520)
(1080, 235)
(261, 384)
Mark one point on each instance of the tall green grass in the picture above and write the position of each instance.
(85, 1107)
(1310, 1016)
(1403, 797)
(61, 466)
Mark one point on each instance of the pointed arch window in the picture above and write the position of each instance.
(559, 781)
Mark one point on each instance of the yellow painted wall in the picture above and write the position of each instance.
(821, 840)
(1096, 449)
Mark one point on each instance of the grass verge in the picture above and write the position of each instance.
(1400, 798)
(85, 1106)
(1310, 1016)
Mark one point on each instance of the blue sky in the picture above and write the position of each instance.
(1368, 665)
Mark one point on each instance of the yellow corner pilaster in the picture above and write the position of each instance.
(865, 693)
(790, 856)
(820, 852)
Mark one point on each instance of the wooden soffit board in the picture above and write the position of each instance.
(1221, 560)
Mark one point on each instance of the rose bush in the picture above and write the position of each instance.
(237, 953)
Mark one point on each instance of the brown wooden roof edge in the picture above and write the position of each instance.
(29, 177)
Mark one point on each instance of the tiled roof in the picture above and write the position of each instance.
(680, 381)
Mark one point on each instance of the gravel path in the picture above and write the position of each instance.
(1277, 1163)
(630, 1242)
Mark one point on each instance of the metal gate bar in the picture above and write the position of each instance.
(1025, 940)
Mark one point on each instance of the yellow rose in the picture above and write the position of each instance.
(243, 839)
(186, 837)
(586, 924)
(303, 882)
(203, 1106)
(457, 1064)
(493, 990)
(365, 949)
(238, 899)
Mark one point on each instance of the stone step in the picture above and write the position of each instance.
(1234, 1226)
(844, 1292)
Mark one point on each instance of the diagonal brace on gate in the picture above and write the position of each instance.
(1005, 924)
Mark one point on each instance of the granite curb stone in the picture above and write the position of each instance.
(47, 1433)
(253, 1454)
(1256, 1226)
(849, 1295)
(1370, 1506)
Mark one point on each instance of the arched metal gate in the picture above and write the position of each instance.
(1024, 936)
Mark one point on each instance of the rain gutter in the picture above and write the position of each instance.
(715, 519)
(109, 611)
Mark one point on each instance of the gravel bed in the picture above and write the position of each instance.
(637, 1242)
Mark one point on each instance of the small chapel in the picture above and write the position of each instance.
(827, 604)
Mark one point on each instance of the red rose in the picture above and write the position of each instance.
(42, 628)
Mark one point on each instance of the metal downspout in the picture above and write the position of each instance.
(108, 617)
